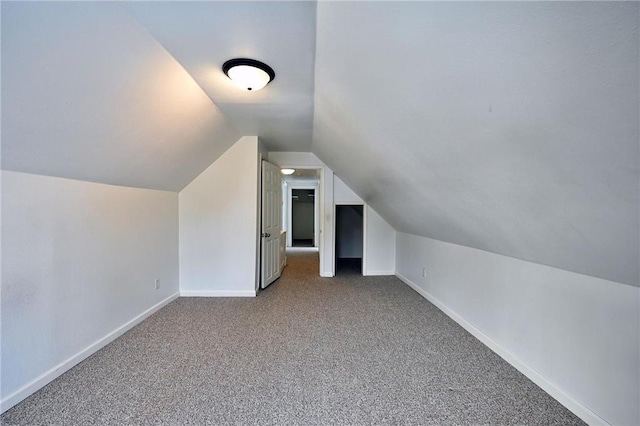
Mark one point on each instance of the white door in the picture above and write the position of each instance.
(271, 216)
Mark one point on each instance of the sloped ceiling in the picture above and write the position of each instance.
(88, 94)
(204, 35)
(510, 127)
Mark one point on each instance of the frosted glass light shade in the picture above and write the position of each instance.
(248, 74)
(248, 78)
(287, 171)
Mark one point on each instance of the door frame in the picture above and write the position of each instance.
(316, 211)
(324, 195)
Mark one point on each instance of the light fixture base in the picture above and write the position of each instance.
(244, 77)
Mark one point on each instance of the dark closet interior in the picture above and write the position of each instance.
(349, 239)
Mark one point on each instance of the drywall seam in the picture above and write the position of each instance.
(218, 293)
(558, 394)
(55, 372)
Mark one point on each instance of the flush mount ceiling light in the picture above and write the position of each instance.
(248, 73)
(287, 171)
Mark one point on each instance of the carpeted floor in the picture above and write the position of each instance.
(307, 350)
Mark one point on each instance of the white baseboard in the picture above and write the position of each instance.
(378, 273)
(65, 366)
(571, 404)
(217, 293)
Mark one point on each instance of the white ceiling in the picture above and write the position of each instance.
(204, 35)
(511, 127)
(88, 94)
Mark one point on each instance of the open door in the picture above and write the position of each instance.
(271, 216)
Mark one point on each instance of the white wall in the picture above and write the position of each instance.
(342, 194)
(79, 266)
(302, 160)
(379, 245)
(576, 336)
(218, 234)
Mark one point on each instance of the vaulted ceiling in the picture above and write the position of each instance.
(201, 36)
(511, 127)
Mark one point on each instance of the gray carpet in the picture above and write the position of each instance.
(307, 350)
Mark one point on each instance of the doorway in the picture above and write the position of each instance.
(310, 176)
(301, 209)
(349, 239)
(303, 217)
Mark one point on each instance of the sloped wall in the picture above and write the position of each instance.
(79, 264)
(379, 245)
(89, 94)
(510, 127)
(342, 194)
